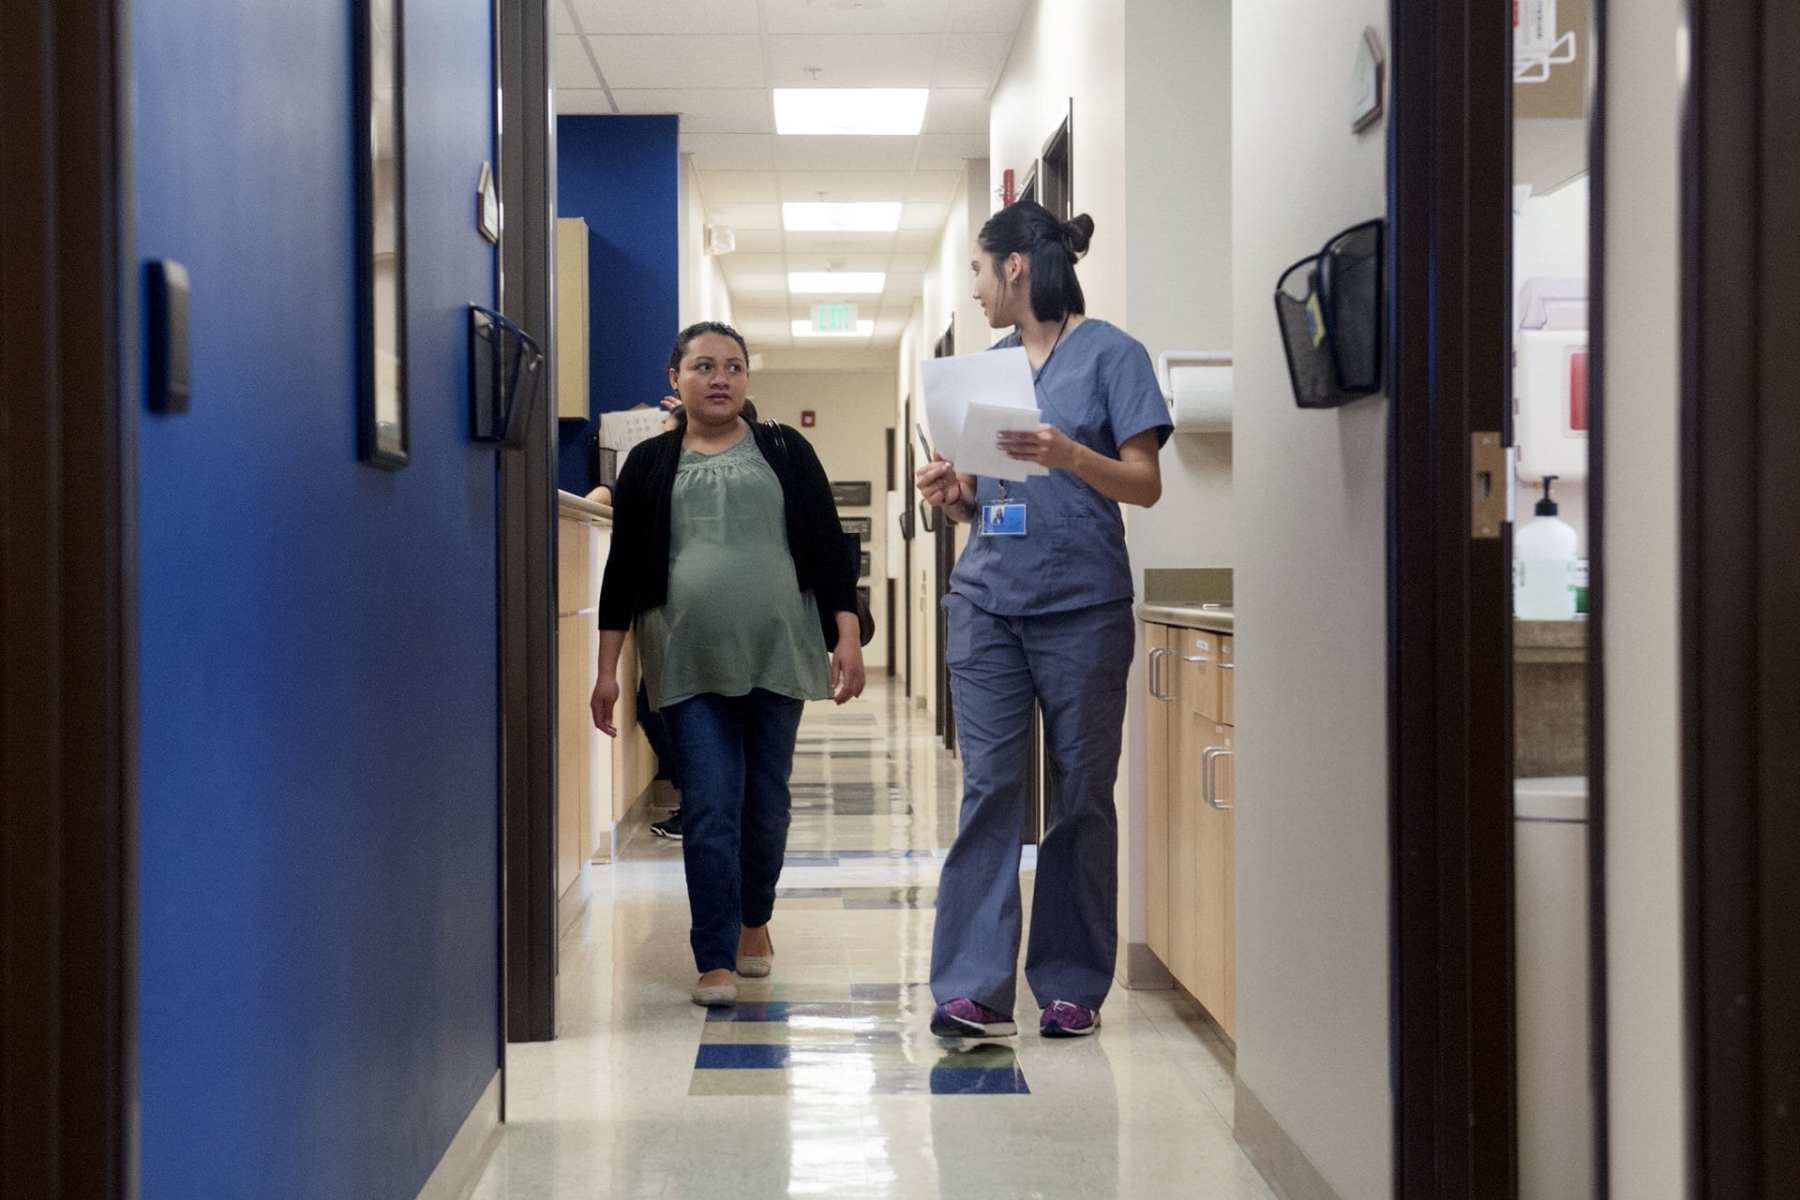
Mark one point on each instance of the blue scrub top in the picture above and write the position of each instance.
(1099, 388)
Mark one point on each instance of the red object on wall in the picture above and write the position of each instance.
(1006, 184)
(807, 419)
(1578, 392)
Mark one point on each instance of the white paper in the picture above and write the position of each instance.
(972, 398)
(622, 431)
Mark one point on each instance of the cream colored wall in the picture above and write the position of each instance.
(1178, 271)
(1647, 1084)
(1072, 50)
(701, 291)
(920, 585)
(1311, 593)
(854, 411)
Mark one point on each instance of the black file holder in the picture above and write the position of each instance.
(1329, 307)
(506, 373)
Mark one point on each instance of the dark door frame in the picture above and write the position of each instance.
(1740, 593)
(892, 484)
(1450, 603)
(526, 153)
(944, 531)
(68, 714)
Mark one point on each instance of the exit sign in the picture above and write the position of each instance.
(834, 318)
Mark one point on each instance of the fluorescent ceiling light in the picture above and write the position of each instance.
(807, 216)
(841, 111)
(864, 328)
(836, 283)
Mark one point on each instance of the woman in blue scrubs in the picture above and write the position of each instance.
(1040, 612)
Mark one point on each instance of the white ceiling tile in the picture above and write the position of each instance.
(840, 244)
(667, 16)
(731, 151)
(986, 16)
(843, 186)
(755, 241)
(957, 110)
(916, 241)
(948, 151)
(848, 61)
(560, 21)
(724, 110)
(722, 61)
(582, 102)
(932, 187)
(886, 326)
(967, 61)
(751, 264)
(746, 216)
(845, 153)
(739, 187)
(835, 261)
(572, 68)
(924, 216)
(894, 16)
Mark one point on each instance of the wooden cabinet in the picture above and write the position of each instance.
(1190, 834)
(1158, 720)
(572, 318)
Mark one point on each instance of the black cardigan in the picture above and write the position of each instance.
(637, 569)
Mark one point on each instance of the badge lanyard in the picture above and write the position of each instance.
(1007, 519)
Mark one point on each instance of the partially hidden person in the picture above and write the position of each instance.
(1040, 613)
(726, 562)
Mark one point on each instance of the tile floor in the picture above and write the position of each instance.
(824, 1081)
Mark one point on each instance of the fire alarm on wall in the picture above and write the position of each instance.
(807, 419)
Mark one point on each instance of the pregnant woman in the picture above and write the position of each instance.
(728, 562)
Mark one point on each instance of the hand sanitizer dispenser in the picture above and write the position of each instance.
(1544, 565)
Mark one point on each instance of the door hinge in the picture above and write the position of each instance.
(1489, 485)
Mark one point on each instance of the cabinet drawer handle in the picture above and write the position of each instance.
(1227, 666)
(1209, 777)
(1157, 655)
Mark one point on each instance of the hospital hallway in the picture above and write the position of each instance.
(824, 1080)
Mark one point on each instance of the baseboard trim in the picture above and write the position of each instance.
(1141, 970)
(458, 1173)
(636, 820)
(574, 899)
(1289, 1172)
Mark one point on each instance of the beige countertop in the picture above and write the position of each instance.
(1216, 618)
(568, 504)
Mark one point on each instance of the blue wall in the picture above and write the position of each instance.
(623, 175)
(319, 970)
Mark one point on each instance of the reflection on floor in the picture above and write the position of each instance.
(824, 1081)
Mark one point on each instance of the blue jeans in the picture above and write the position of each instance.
(736, 753)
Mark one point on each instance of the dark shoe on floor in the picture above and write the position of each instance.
(1062, 1019)
(669, 827)
(965, 1018)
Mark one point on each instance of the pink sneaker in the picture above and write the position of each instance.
(1065, 1020)
(965, 1018)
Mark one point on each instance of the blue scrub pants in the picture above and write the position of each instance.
(1074, 665)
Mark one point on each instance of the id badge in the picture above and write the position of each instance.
(1003, 520)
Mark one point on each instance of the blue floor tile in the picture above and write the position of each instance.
(728, 1056)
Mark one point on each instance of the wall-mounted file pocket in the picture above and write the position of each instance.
(1329, 307)
(505, 376)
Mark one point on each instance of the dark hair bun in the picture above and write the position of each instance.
(1079, 232)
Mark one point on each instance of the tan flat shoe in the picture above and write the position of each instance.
(717, 995)
(757, 966)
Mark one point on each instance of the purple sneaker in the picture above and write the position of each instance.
(1065, 1020)
(964, 1018)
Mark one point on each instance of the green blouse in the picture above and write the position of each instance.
(736, 619)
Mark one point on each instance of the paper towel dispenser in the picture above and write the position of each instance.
(1197, 386)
